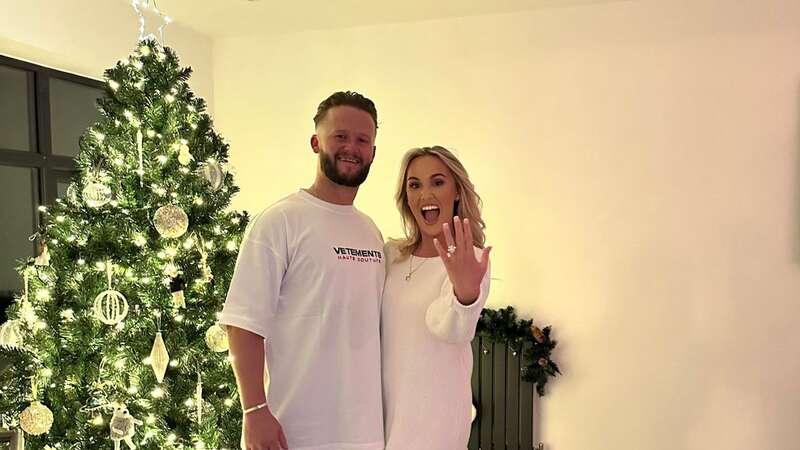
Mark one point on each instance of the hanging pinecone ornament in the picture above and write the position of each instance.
(36, 419)
(159, 358)
(171, 221)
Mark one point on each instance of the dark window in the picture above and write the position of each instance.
(43, 112)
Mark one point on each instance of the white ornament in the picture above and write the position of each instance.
(213, 173)
(178, 300)
(27, 312)
(11, 334)
(198, 398)
(171, 221)
(170, 269)
(474, 413)
(176, 285)
(159, 358)
(110, 307)
(217, 338)
(140, 149)
(36, 419)
(96, 194)
(208, 277)
(123, 427)
(184, 156)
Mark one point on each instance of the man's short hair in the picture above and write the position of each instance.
(347, 98)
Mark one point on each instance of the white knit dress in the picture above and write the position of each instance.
(426, 355)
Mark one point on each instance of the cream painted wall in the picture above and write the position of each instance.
(639, 166)
(88, 36)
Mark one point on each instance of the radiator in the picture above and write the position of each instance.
(504, 402)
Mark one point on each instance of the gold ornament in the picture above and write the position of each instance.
(110, 306)
(171, 221)
(159, 358)
(217, 338)
(11, 334)
(96, 194)
(36, 419)
(538, 335)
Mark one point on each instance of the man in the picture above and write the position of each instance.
(306, 289)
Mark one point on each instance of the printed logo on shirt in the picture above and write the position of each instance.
(358, 255)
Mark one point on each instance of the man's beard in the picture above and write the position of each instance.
(328, 164)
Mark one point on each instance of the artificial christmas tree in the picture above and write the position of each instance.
(115, 337)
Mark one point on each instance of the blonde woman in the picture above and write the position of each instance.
(437, 281)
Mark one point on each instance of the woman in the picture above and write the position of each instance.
(437, 280)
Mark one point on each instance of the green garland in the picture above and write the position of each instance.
(503, 325)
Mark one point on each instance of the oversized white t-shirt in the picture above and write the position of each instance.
(427, 355)
(309, 279)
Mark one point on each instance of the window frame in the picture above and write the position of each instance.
(52, 168)
(48, 168)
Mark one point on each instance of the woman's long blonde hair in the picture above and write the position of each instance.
(467, 207)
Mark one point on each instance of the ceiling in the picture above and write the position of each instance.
(226, 18)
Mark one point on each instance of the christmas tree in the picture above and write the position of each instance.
(115, 338)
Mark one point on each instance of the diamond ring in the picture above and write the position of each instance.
(451, 249)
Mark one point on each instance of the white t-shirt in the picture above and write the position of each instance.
(427, 355)
(309, 279)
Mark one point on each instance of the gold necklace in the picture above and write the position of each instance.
(410, 270)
